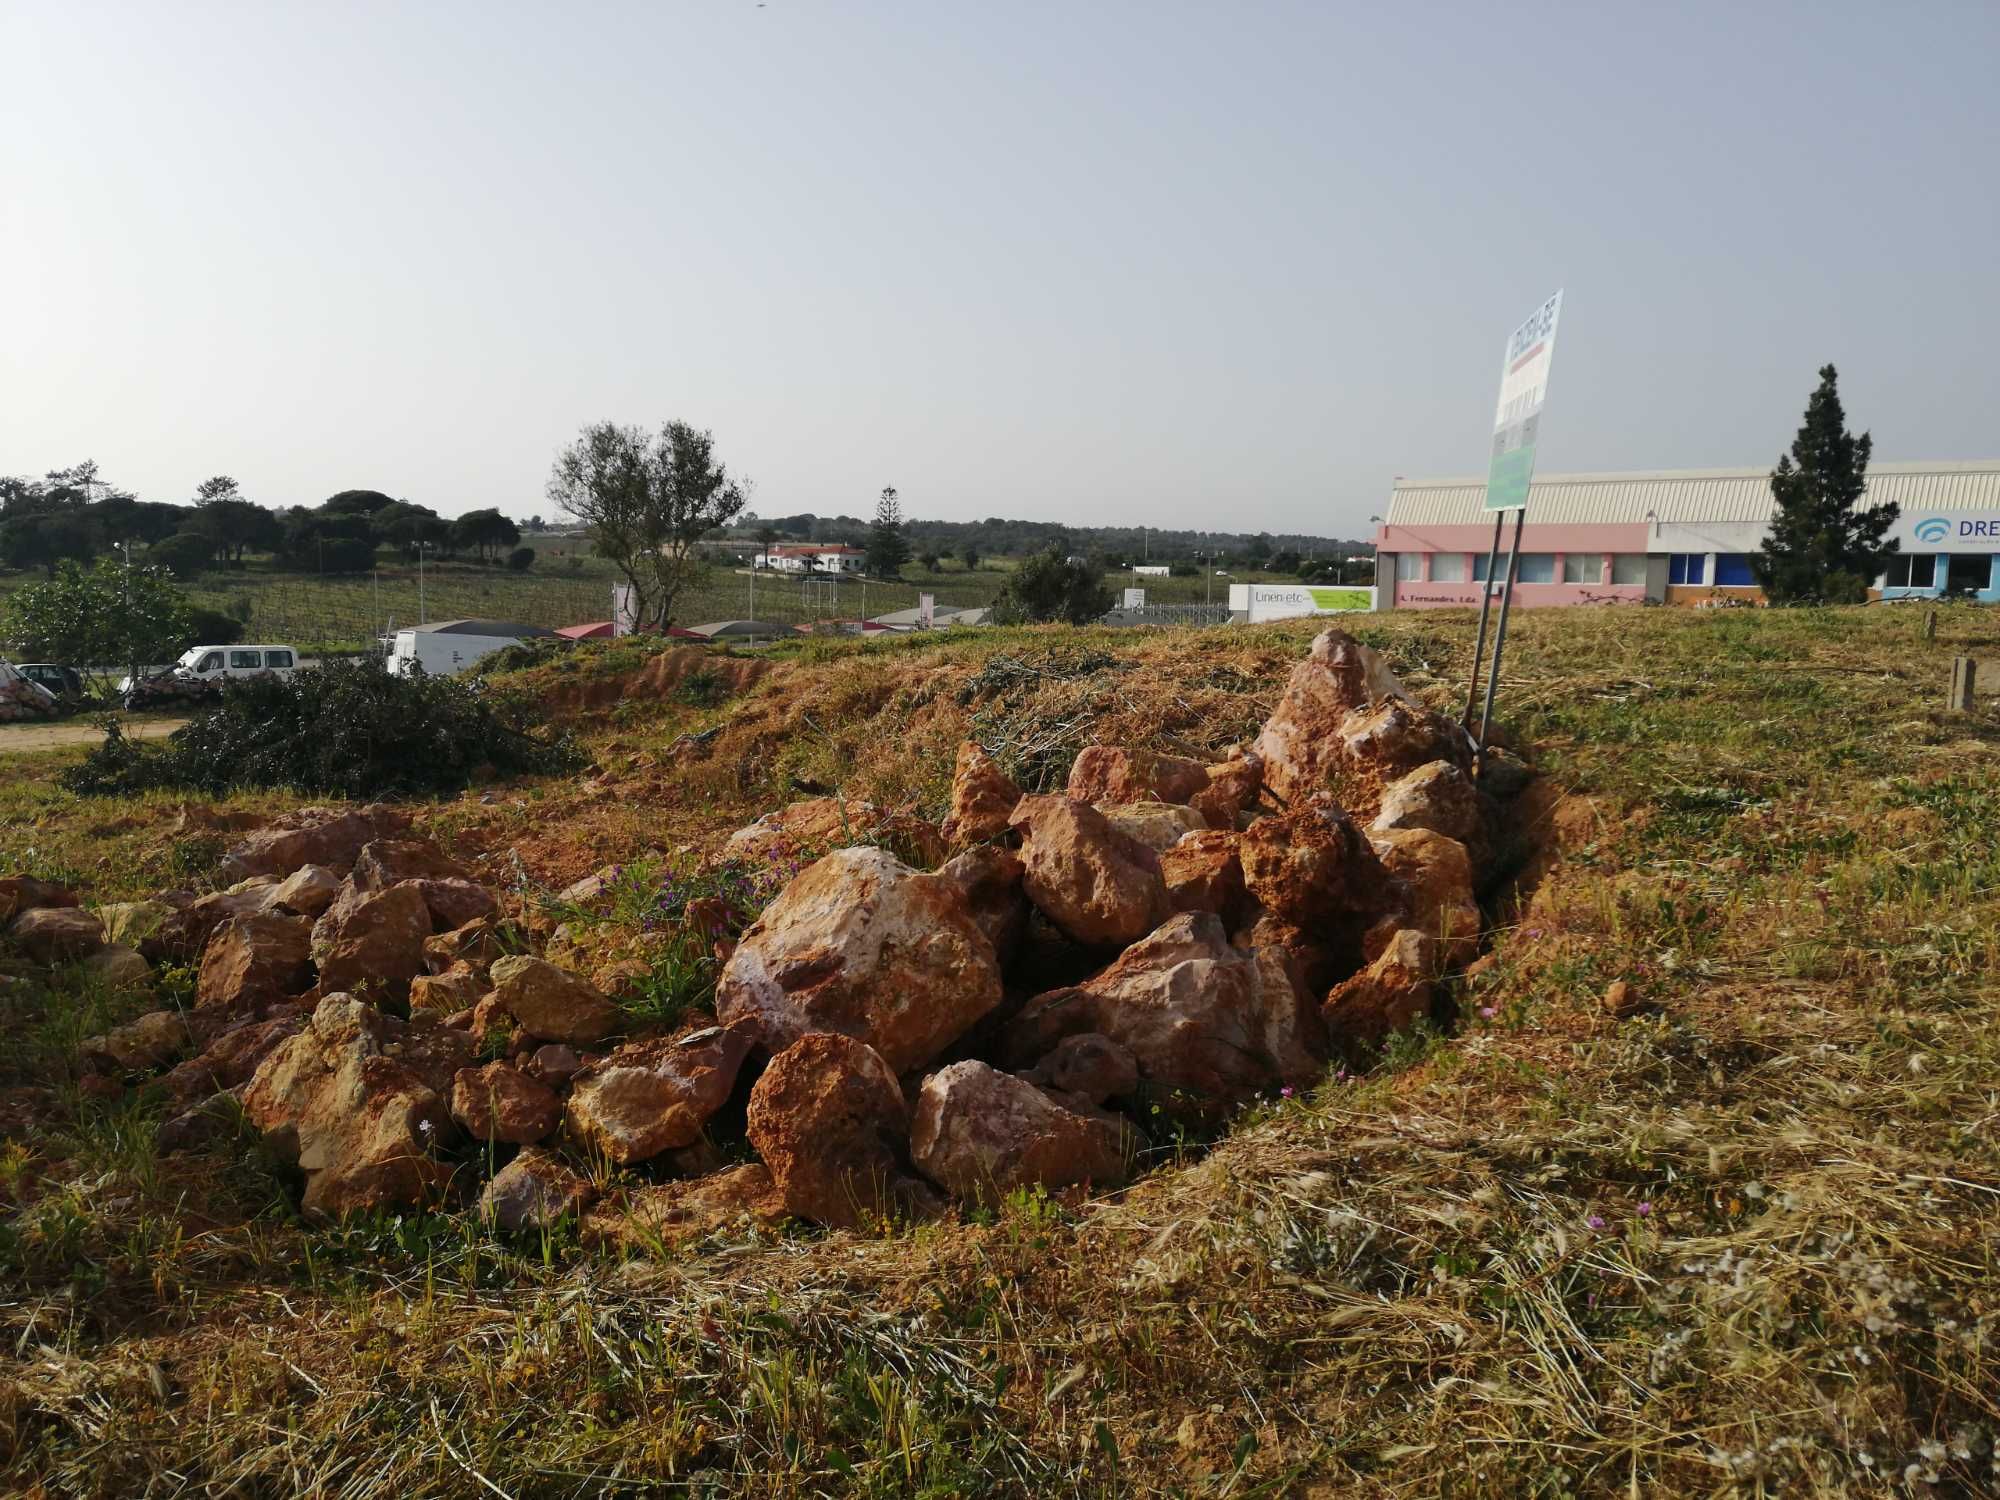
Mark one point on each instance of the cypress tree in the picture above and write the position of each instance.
(887, 548)
(1824, 544)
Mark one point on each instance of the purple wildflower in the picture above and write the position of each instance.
(1645, 1209)
(1596, 1221)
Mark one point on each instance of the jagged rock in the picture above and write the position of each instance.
(1391, 993)
(533, 1191)
(1299, 745)
(1387, 742)
(184, 934)
(56, 934)
(143, 1045)
(1313, 868)
(458, 988)
(1320, 959)
(478, 943)
(311, 836)
(622, 981)
(1438, 874)
(673, 1213)
(982, 799)
(1102, 888)
(499, 1102)
(589, 890)
(1438, 796)
(1233, 789)
(386, 862)
(1157, 825)
(1112, 773)
(230, 1058)
(990, 876)
(554, 1063)
(253, 960)
(118, 967)
(981, 1133)
(829, 1120)
(864, 945)
(655, 1095)
(357, 1100)
(1210, 1025)
(308, 890)
(551, 1003)
(1090, 1066)
(372, 942)
(454, 903)
(20, 893)
(1203, 873)
(801, 830)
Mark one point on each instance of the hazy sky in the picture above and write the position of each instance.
(1230, 265)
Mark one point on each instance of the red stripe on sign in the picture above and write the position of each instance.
(1526, 357)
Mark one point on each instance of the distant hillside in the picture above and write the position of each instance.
(996, 537)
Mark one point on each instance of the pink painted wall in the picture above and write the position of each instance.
(1417, 595)
(1473, 542)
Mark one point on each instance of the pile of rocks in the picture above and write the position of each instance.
(21, 698)
(1158, 945)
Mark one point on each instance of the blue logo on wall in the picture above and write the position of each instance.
(1932, 529)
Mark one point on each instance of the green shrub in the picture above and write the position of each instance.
(347, 729)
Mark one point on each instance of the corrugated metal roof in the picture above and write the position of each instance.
(1683, 496)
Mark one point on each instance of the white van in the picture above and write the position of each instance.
(216, 663)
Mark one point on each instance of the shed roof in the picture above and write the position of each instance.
(1683, 496)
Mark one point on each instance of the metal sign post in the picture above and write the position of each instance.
(1517, 421)
(1485, 611)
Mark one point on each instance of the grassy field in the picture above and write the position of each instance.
(1740, 1237)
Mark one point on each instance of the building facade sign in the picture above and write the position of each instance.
(1948, 530)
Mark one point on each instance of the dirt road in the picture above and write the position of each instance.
(21, 738)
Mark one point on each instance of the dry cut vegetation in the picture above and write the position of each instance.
(1697, 1192)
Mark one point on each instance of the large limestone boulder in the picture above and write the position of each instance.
(500, 1103)
(56, 934)
(386, 862)
(118, 967)
(311, 836)
(533, 1191)
(253, 960)
(458, 988)
(990, 876)
(372, 942)
(863, 945)
(1210, 1025)
(477, 944)
(231, 1057)
(1102, 888)
(185, 933)
(1233, 788)
(358, 1100)
(804, 829)
(1441, 797)
(133, 923)
(308, 890)
(1204, 873)
(142, 1045)
(1437, 873)
(1112, 773)
(454, 903)
(655, 1095)
(982, 799)
(19, 893)
(1313, 868)
(980, 1133)
(551, 1003)
(1381, 745)
(1089, 1066)
(829, 1120)
(1299, 745)
(1157, 825)
(1389, 995)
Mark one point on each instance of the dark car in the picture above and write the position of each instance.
(64, 683)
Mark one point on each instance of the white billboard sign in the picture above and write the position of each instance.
(624, 613)
(1135, 598)
(1259, 602)
(1517, 420)
(927, 610)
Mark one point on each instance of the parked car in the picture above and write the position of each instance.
(65, 684)
(219, 664)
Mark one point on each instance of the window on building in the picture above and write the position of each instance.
(1537, 567)
(1583, 567)
(1447, 567)
(1629, 568)
(1732, 571)
(1911, 571)
(1409, 567)
(1479, 567)
(1688, 567)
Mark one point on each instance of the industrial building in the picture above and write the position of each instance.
(1675, 536)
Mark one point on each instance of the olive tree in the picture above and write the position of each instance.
(648, 499)
(112, 615)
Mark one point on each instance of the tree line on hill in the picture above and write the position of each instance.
(76, 515)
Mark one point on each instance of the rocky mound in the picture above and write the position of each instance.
(1011, 998)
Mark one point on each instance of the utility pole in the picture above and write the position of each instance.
(421, 616)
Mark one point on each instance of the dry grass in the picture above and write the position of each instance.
(1740, 1240)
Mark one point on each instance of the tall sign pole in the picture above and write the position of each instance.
(1517, 421)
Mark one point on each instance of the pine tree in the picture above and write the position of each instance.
(1824, 544)
(887, 549)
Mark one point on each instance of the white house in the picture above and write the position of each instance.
(800, 557)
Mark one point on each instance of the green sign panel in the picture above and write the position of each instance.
(1342, 598)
